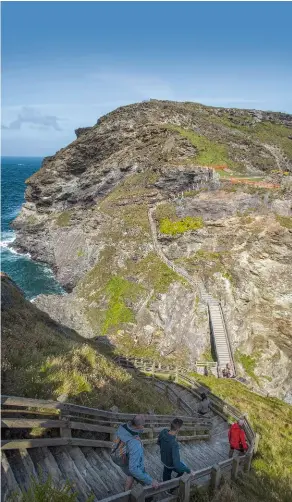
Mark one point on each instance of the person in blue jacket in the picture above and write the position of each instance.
(169, 451)
(128, 438)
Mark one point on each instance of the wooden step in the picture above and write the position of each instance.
(9, 485)
(70, 472)
(89, 475)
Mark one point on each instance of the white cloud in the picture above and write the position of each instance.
(35, 118)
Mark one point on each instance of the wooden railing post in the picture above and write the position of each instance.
(215, 477)
(151, 433)
(184, 488)
(235, 468)
(153, 369)
(137, 494)
(256, 443)
(65, 432)
(247, 463)
(176, 375)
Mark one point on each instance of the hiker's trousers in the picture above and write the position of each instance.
(168, 472)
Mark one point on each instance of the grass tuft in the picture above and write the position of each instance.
(285, 221)
(180, 226)
(63, 220)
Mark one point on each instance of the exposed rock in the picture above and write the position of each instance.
(86, 214)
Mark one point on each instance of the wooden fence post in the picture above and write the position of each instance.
(247, 463)
(65, 432)
(235, 468)
(256, 443)
(184, 487)
(215, 477)
(137, 494)
(151, 434)
(153, 369)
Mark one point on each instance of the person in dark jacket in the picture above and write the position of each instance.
(237, 438)
(169, 450)
(204, 406)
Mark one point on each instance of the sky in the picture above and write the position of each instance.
(65, 64)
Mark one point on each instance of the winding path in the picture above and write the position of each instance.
(216, 317)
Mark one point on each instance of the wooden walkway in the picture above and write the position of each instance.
(87, 463)
(91, 469)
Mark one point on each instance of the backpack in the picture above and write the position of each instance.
(119, 453)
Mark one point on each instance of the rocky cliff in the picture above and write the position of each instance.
(219, 185)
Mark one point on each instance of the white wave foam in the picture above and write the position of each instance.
(6, 240)
(5, 244)
(13, 251)
(21, 164)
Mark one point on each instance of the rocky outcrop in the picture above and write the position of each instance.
(86, 214)
(81, 130)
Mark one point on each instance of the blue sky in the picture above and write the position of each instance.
(64, 64)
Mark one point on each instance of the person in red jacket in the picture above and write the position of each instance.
(237, 438)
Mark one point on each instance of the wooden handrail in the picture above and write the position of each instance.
(83, 410)
(200, 429)
(218, 405)
(210, 475)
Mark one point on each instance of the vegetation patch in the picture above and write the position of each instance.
(164, 211)
(80, 253)
(118, 290)
(41, 362)
(208, 263)
(135, 185)
(45, 491)
(201, 254)
(155, 274)
(31, 220)
(169, 227)
(194, 193)
(209, 152)
(207, 355)
(63, 219)
(272, 419)
(249, 363)
(285, 221)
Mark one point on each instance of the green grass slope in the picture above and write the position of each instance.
(272, 419)
(42, 360)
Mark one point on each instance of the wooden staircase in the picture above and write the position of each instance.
(86, 462)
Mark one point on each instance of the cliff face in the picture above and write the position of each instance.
(219, 185)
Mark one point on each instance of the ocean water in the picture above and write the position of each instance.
(32, 277)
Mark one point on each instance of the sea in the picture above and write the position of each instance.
(32, 277)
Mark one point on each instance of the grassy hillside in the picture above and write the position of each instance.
(272, 419)
(40, 359)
